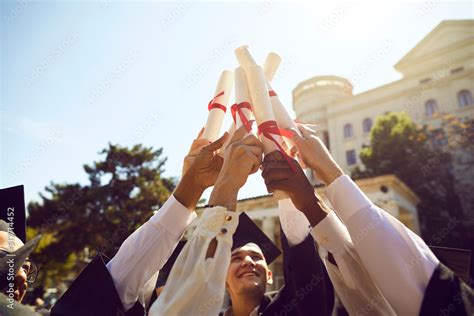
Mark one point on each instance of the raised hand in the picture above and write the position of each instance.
(314, 154)
(242, 157)
(278, 175)
(203, 163)
(201, 168)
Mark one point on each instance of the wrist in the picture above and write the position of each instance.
(329, 176)
(224, 194)
(314, 210)
(188, 192)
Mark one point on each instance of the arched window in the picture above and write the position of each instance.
(464, 98)
(366, 125)
(431, 107)
(348, 130)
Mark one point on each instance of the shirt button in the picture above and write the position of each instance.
(228, 218)
(224, 230)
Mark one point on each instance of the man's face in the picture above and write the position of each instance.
(20, 278)
(248, 271)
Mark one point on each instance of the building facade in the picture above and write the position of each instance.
(438, 77)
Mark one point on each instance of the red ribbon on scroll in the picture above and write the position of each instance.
(272, 93)
(214, 105)
(237, 109)
(270, 128)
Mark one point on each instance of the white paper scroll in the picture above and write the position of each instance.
(216, 115)
(242, 95)
(262, 105)
(271, 64)
(282, 116)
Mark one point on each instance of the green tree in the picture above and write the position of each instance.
(399, 146)
(78, 221)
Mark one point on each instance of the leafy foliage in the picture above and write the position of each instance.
(399, 146)
(77, 221)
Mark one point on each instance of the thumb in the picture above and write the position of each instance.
(217, 143)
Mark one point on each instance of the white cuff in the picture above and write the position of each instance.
(294, 223)
(217, 221)
(346, 197)
(331, 234)
(173, 217)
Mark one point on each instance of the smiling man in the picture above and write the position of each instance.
(247, 279)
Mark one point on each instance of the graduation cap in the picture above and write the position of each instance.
(12, 209)
(247, 232)
(458, 260)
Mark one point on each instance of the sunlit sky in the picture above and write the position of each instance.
(75, 76)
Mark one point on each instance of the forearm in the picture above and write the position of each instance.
(146, 250)
(382, 241)
(198, 285)
(224, 194)
(188, 192)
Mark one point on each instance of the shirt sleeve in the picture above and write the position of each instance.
(396, 259)
(134, 269)
(294, 223)
(352, 283)
(196, 285)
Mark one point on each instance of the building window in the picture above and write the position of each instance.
(348, 131)
(367, 125)
(351, 157)
(464, 98)
(431, 107)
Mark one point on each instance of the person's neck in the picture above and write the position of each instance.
(243, 305)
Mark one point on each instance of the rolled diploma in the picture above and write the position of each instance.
(244, 57)
(241, 95)
(283, 118)
(216, 116)
(262, 105)
(271, 64)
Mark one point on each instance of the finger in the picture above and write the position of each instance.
(254, 149)
(273, 165)
(306, 131)
(256, 161)
(200, 132)
(197, 145)
(238, 134)
(277, 175)
(282, 185)
(252, 140)
(218, 143)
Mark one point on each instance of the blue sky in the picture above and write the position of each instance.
(77, 75)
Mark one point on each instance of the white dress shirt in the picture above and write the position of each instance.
(134, 269)
(351, 282)
(396, 259)
(196, 285)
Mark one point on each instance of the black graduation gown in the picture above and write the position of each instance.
(93, 293)
(307, 290)
(446, 294)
